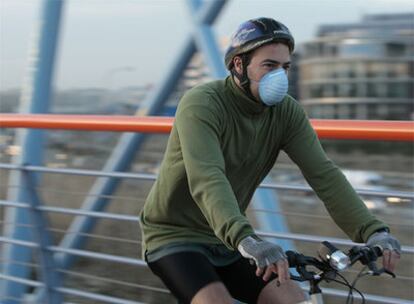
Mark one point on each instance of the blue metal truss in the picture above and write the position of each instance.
(35, 99)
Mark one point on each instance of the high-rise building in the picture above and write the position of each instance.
(363, 70)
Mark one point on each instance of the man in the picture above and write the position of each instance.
(226, 138)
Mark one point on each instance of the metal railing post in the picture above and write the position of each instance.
(51, 277)
(275, 221)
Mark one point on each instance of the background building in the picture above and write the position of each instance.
(360, 71)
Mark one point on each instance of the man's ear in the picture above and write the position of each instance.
(238, 64)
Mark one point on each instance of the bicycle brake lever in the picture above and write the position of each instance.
(377, 272)
(388, 272)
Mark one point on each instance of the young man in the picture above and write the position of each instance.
(225, 140)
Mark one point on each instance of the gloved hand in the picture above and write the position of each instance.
(267, 256)
(391, 248)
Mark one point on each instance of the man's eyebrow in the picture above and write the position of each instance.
(275, 62)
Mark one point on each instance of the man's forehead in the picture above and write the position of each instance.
(276, 52)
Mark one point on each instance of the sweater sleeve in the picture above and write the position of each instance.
(342, 202)
(199, 132)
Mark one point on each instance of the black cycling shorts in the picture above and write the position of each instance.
(185, 273)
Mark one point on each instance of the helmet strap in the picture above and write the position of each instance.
(243, 78)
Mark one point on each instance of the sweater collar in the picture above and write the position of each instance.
(242, 101)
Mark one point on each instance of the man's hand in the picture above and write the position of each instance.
(391, 248)
(269, 258)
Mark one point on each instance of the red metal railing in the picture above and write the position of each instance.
(326, 128)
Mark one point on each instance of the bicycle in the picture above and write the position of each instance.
(330, 262)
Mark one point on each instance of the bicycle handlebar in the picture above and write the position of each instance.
(331, 260)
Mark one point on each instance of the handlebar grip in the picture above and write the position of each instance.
(377, 250)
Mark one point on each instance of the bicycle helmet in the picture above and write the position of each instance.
(251, 35)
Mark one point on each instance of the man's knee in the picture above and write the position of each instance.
(213, 293)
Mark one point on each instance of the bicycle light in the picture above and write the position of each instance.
(336, 258)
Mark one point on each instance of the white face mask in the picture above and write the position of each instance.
(273, 87)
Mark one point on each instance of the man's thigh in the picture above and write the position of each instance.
(188, 275)
(241, 280)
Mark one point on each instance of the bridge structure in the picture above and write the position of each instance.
(26, 235)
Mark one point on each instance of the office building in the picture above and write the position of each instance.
(363, 70)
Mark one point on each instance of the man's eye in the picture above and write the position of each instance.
(271, 66)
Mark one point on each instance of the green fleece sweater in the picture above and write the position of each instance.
(221, 147)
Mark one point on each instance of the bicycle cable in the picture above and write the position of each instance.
(352, 287)
(350, 298)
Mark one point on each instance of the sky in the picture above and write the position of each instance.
(118, 43)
